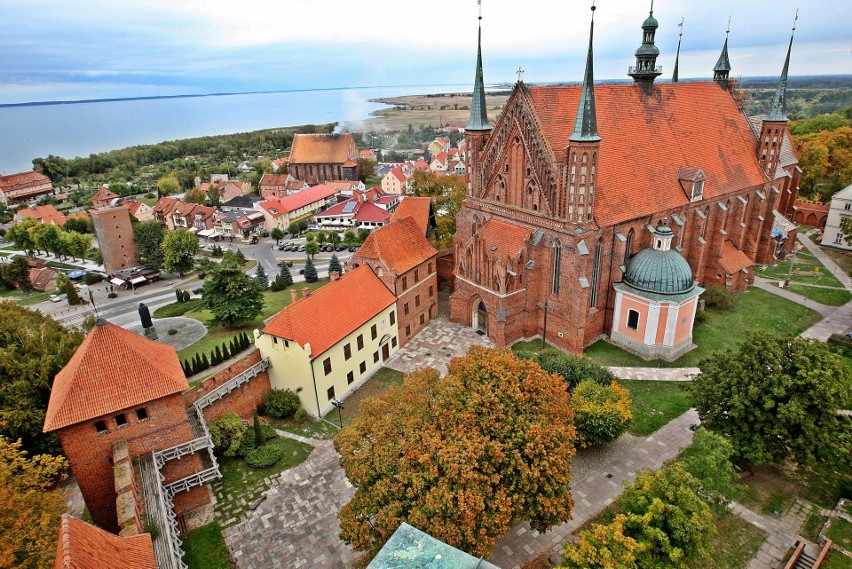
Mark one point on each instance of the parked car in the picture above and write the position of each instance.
(301, 248)
(55, 298)
(287, 262)
(282, 247)
(340, 248)
(329, 248)
(353, 249)
(302, 271)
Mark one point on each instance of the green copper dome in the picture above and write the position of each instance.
(650, 22)
(662, 272)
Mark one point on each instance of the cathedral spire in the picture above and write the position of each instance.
(777, 112)
(677, 55)
(723, 65)
(478, 111)
(586, 124)
(646, 69)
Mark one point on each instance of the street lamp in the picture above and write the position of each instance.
(339, 404)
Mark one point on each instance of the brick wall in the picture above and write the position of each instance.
(426, 289)
(128, 502)
(244, 400)
(445, 264)
(811, 213)
(115, 238)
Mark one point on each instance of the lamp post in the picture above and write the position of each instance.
(339, 404)
(792, 262)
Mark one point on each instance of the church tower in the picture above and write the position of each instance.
(477, 131)
(723, 66)
(583, 146)
(775, 121)
(646, 69)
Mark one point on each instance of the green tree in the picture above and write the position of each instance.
(227, 433)
(16, 274)
(179, 249)
(78, 224)
(573, 368)
(310, 271)
(334, 265)
(66, 287)
(460, 457)
(602, 547)
(362, 235)
(368, 169)
(846, 229)
(258, 431)
(277, 234)
(708, 459)
(149, 236)
(776, 397)
(260, 277)
(213, 197)
(601, 412)
(303, 225)
(33, 348)
(349, 238)
(311, 249)
(284, 278)
(76, 244)
(195, 195)
(294, 228)
(21, 234)
(232, 296)
(168, 185)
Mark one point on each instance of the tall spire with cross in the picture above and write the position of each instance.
(677, 55)
(723, 66)
(778, 110)
(646, 70)
(586, 125)
(478, 110)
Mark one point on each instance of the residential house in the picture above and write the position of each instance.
(103, 197)
(324, 157)
(279, 164)
(251, 223)
(439, 145)
(841, 208)
(367, 155)
(368, 209)
(346, 187)
(140, 210)
(405, 261)
(18, 188)
(282, 211)
(42, 278)
(46, 214)
(395, 181)
(439, 162)
(420, 208)
(328, 343)
(163, 210)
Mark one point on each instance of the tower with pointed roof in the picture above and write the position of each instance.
(646, 70)
(584, 146)
(477, 131)
(677, 55)
(775, 122)
(722, 69)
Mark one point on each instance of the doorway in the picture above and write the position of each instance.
(480, 319)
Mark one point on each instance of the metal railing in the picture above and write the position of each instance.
(158, 504)
(181, 450)
(197, 479)
(232, 384)
(631, 70)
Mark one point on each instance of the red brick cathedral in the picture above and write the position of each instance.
(572, 182)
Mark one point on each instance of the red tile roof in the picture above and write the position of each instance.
(401, 245)
(733, 260)
(333, 311)
(644, 140)
(510, 239)
(103, 195)
(370, 212)
(165, 205)
(84, 546)
(46, 214)
(323, 148)
(113, 369)
(298, 200)
(14, 182)
(273, 181)
(417, 207)
(41, 278)
(133, 206)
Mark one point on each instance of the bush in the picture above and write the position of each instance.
(300, 416)
(573, 369)
(841, 342)
(265, 456)
(281, 403)
(700, 316)
(112, 295)
(601, 413)
(719, 298)
(247, 445)
(92, 278)
(228, 433)
(172, 331)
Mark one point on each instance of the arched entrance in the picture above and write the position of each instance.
(479, 318)
(385, 346)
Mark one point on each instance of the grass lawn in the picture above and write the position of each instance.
(655, 403)
(755, 309)
(241, 484)
(528, 348)
(381, 381)
(177, 308)
(25, 299)
(204, 548)
(839, 256)
(813, 525)
(321, 429)
(836, 560)
(806, 269)
(827, 296)
(771, 486)
(735, 543)
(58, 265)
(840, 532)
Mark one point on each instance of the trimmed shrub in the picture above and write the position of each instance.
(228, 433)
(601, 413)
(172, 332)
(300, 416)
(112, 295)
(846, 489)
(719, 298)
(573, 369)
(247, 445)
(258, 430)
(264, 456)
(92, 278)
(281, 403)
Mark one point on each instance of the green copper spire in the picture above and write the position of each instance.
(586, 124)
(478, 110)
(723, 65)
(677, 55)
(777, 112)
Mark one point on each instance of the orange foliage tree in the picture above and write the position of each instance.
(460, 457)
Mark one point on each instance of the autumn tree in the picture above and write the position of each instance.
(195, 195)
(168, 185)
(447, 191)
(33, 348)
(601, 412)
(460, 457)
(846, 229)
(776, 397)
(231, 295)
(148, 236)
(179, 249)
(30, 506)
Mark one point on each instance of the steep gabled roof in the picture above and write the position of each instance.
(370, 212)
(401, 245)
(23, 180)
(103, 195)
(420, 208)
(83, 546)
(295, 201)
(733, 260)
(645, 139)
(504, 239)
(323, 148)
(46, 214)
(333, 311)
(275, 180)
(165, 205)
(113, 369)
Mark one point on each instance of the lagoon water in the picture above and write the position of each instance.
(79, 129)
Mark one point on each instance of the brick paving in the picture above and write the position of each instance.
(433, 347)
(781, 534)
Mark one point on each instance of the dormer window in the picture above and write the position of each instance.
(692, 182)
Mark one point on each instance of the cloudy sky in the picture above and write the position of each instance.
(72, 49)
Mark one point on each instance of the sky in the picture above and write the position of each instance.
(79, 49)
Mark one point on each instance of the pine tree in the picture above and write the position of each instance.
(258, 432)
(205, 362)
(235, 349)
(310, 272)
(186, 296)
(246, 340)
(179, 294)
(260, 276)
(219, 355)
(226, 353)
(185, 367)
(241, 259)
(334, 265)
(214, 360)
(286, 279)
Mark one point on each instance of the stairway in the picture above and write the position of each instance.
(804, 561)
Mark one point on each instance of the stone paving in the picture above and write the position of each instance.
(435, 345)
(781, 534)
(656, 373)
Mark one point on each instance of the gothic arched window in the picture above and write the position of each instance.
(629, 245)
(557, 266)
(596, 270)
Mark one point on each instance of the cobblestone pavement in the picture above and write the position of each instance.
(296, 525)
(433, 347)
(780, 534)
(656, 374)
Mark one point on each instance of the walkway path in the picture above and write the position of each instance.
(829, 263)
(766, 285)
(781, 534)
(656, 373)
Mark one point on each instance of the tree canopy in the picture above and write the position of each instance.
(179, 249)
(776, 397)
(231, 295)
(148, 236)
(460, 457)
(168, 185)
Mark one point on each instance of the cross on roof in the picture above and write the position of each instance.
(520, 73)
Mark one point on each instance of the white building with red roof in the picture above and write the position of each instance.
(282, 211)
(366, 210)
(17, 188)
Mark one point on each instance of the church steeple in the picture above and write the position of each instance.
(646, 69)
(723, 65)
(677, 55)
(478, 111)
(586, 123)
(778, 110)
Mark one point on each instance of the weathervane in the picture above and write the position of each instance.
(520, 73)
(729, 26)
(796, 19)
(680, 25)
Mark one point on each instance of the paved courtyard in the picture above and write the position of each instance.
(435, 345)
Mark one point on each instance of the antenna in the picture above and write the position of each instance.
(594, 8)
(652, 7)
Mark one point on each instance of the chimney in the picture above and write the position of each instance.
(306, 292)
(294, 295)
(333, 275)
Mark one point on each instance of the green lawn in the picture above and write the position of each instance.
(827, 296)
(813, 525)
(177, 308)
(842, 258)
(755, 309)
(381, 381)
(25, 299)
(836, 560)
(241, 484)
(735, 543)
(840, 532)
(316, 429)
(655, 403)
(204, 548)
(806, 269)
(772, 486)
(528, 348)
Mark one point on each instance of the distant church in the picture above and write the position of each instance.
(602, 210)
